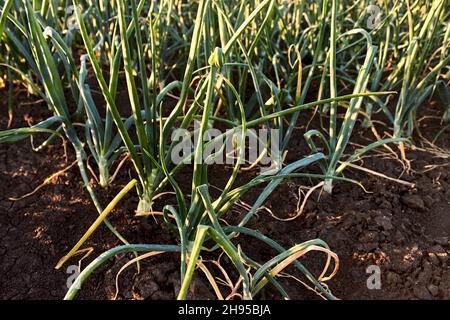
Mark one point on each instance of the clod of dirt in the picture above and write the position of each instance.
(413, 202)
(434, 290)
(422, 292)
(145, 288)
(384, 222)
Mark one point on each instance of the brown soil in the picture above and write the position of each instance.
(403, 230)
